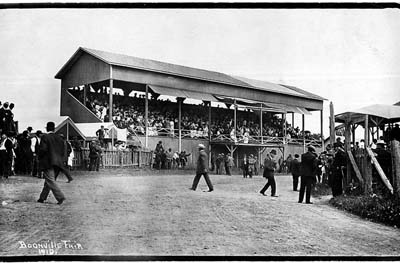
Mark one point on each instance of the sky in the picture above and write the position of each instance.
(348, 56)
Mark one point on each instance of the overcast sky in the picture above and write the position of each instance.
(350, 57)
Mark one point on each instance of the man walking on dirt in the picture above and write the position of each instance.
(51, 157)
(270, 165)
(202, 164)
(295, 170)
(309, 165)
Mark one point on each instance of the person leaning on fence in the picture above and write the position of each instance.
(309, 165)
(270, 165)
(94, 155)
(202, 169)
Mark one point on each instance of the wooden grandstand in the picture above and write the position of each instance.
(94, 70)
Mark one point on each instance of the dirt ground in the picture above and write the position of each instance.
(128, 212)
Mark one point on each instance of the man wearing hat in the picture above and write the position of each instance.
(338, 165)
(35, 142)
(309, 166)
(51, 158)
(270, 165)
(202, 169)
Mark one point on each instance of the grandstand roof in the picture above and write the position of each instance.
(90, 66)
(387, 112)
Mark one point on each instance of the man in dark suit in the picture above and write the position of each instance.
(295, 170)
(270, 165)
(309, 165)
(51, 158)
(202, 169)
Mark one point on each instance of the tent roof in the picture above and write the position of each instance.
(387, 112)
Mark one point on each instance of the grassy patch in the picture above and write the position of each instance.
(377, 208)
(321, 189)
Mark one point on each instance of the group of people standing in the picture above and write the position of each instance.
(167, 159)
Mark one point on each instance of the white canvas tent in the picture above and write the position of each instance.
(87, 131)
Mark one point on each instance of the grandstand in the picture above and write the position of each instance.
(253, 115)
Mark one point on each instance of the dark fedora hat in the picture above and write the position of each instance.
(50, 126)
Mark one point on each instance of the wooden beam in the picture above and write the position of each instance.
(322, 130)
(379, 169)
(304, 135)
(179, 124)
(395, 148)
(332, 138)
(234, 120)
(261, 124)
(146, 117)
(347, 149)
(366, 131)
(110, 117)
(355, 168)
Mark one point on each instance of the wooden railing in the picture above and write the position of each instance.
(113, 159)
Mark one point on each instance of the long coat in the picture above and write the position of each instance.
(309, 164)
(202, 162)
(51, 151)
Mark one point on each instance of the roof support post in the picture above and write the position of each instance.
(293, 120)
(234, 119)
(367, 169)
(261, 124)
(332, 125)
(209, 133)
(179, 124)
(366, 131)
(322, 130)
(304, 134)
(110, 117)
(284, 128)
(146, 117)
(347, 135)
(67, 131)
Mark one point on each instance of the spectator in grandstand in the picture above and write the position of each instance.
(309, 165)
(296, 171)
(228, 164)
(35, 143)
(202, 169)
(270, 165)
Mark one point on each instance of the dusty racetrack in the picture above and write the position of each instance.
(125, 212)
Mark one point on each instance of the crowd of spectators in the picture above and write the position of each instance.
(128, 112)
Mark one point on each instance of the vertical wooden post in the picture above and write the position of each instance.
(67, 131)
(284, 130)
(332, 125)
(395, 148)
(261, 123)
(322, 130)
(366, 161)
(304, 135)
(347, 148)
(209, 134)
(366, 131)
(110, 118)
(146, 118)
(293, 120)
(234, 116)
(353, 134)
(179, 124)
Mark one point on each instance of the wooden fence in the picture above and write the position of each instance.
(114, 159)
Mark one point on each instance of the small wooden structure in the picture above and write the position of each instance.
(372, 118)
